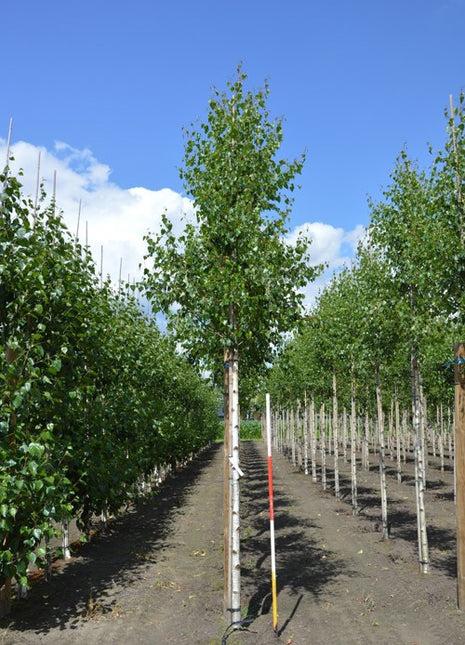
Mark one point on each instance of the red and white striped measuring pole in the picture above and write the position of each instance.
(270, 491)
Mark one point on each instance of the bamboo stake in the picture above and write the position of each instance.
(8, 143)
(272, 539)
(458, 178)
(101, 266)
(36, 200)
(78, 224)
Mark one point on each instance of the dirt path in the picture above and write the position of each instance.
(156, 577)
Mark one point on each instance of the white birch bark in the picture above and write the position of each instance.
(313, 438)
(235, 493)
(335, 438)
(382, 459)
(65, 539)
(423, 554)
(398, 454)
(366, 443)
(323, 446)
(353, 445)
(305, 433)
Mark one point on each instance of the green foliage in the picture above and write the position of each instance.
(250, 430)
(231, 280)
(403, 296)
(92, 396)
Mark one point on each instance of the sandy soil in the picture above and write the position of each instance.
(156, 577)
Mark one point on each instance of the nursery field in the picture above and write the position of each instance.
(156, 576)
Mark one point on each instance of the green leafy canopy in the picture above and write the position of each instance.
(231, 280)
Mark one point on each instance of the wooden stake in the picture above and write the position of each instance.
(459, 374)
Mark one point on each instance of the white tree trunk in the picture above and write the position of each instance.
(235, 492)
(65, 539)
(323, 446)
(417, 409)
(382, 460)
(335, 438)
(305, 432)
(313, 438)
(353, 445)
(398, 455)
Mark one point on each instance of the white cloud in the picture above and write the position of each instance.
(115, 218)
(118, 218)
(332, 246)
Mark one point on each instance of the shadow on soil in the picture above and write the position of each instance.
(113, 559)
(302, 565)
(401, 520)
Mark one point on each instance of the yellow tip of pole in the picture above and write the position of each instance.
(275, 602)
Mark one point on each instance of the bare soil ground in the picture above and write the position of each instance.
(156, 577)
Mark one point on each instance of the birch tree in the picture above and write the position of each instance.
(230, 284)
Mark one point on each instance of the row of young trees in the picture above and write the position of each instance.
(93, 396)
(385, 326)
(230, 286)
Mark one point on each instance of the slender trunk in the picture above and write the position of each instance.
(459, 378)
(298, 435)
(442, 437)
(323, 446)
(235, 501)
(353, 454)
(366, 443)
(292, 431)
(227, 490)
(398, 459)
(344, 436)
(424, 443)
(418, 454)
(313, 438)
(335, 437)
(382, 459)
(65, 539)
(305, 432)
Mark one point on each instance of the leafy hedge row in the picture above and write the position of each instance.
(92, 395)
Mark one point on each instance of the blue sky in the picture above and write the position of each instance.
(104, 88)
